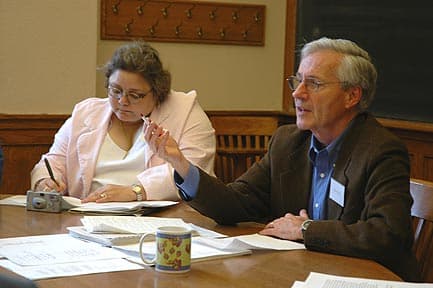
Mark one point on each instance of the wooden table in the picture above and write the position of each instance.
(261, 269)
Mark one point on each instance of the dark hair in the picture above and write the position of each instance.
(141, 58)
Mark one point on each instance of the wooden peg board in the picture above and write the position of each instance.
(183, 21)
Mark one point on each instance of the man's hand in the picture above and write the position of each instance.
(287, 227)
(165, 147)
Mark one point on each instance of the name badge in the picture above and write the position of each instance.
(336, 192)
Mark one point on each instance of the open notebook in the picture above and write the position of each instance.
(124, 230)
(73, 204)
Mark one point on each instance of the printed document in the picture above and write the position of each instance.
(319, 280)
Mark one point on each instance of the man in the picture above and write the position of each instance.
(337, 180)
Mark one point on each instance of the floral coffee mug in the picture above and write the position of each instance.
(173, 249)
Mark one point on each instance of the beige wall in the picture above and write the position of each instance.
(47, 55)
(51, 50)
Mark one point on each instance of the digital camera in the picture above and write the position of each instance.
(44, 201)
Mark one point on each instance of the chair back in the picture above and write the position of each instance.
(422, 214)
(240, 143)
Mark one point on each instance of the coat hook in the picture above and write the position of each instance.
(115, 7)
(212, 14)
(128, 26)
(164, 11)
(235, 16)
(188, 12)
(140, 8)
(222, 33)
(152, 29)
(245, 34)
(177, 29)
(199, 32)
(257, 17)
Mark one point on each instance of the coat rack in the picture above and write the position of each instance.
(183, 21)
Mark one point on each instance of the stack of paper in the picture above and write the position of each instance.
(40, 257)
(123, 230)
(319, 280)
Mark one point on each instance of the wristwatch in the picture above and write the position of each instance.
(139, 191)
(304, 226)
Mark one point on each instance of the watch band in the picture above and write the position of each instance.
(304, 226)
(138, 191)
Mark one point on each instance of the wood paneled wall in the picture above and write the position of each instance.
(24, 138)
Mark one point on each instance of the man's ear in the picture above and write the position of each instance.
(353, 96)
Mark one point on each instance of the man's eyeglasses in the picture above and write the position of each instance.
(311, 84)
(133, 96)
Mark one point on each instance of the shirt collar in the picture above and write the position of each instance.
(333, 148)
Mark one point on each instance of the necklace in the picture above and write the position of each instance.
(126, 131)
(129, 132)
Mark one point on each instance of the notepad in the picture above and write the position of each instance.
(73, 204)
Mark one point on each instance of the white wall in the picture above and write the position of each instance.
(47, 55)
(50, 50)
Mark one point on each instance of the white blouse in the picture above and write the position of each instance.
(117, 166)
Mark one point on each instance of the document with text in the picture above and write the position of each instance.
(320, 280)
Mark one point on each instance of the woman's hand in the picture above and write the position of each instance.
(111, 193)
(165, 147)
(287, 227)
(47, 184)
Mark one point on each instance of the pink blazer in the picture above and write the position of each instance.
(76, 145)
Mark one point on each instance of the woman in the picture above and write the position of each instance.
(99, 154)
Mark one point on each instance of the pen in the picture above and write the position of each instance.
(47, 164)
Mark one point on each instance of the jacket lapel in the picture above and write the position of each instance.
(293, 178)
(91, 137)
(342, 164)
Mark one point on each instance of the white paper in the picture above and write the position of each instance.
(254, 241)
(16, 200)
(70, 269)
(298, 284)
(129, 224)
(199, 251)
(53, 249)
(119, 206)
(319, 280)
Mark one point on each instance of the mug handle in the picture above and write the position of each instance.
(146, 261)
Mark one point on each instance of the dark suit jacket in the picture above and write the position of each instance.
(373, 165)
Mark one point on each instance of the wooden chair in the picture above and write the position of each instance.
(422, 213)
(241, 141)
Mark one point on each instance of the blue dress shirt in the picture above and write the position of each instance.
(323, 160)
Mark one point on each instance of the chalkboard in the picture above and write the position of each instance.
(398, 36)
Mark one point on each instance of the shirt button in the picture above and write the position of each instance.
(322, 175)
(316, 205)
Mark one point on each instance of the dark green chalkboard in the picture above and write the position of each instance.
(397, 34)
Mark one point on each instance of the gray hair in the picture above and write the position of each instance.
(141, 58)
(356, 68)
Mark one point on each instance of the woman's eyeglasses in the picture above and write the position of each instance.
(134, 97)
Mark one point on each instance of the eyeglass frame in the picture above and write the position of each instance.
(311, 84)
(133, 97)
